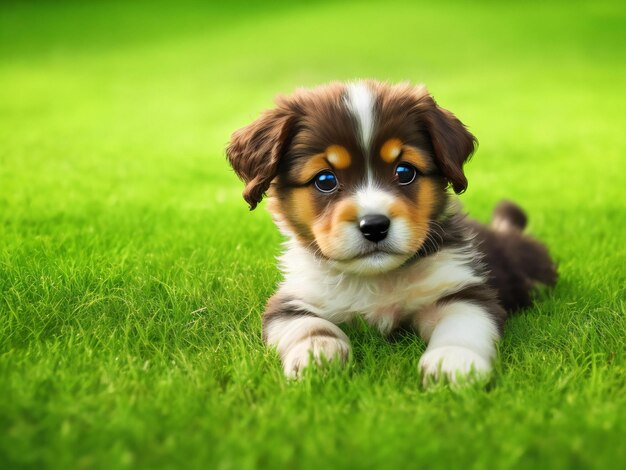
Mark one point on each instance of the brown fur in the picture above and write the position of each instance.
(413, 109)
(516, 262)
(486, 297)
(255, 152)
(287, 146)
(417, 158)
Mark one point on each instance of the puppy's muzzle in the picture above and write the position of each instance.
(374, 227)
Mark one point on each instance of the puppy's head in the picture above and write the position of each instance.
(358, 173)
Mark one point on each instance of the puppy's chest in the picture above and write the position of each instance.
(384, 301)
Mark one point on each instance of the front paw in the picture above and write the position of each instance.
(454, 364)
(317, 348)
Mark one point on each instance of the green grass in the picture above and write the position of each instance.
(132, 276)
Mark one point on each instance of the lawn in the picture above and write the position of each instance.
(133, 277)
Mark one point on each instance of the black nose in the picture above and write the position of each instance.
(374, 227)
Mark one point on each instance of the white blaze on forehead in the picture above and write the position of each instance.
(360, 101)
(373, 200)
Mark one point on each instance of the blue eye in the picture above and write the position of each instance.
(406, 173)
(326, 182)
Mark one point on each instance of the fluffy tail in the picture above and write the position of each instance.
(518, 262)
(508, 216)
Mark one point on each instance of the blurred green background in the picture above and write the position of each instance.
(132, 276)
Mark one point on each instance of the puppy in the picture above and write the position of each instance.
(359, 178)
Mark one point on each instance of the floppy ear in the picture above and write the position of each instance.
(452, 143)
(255, 150)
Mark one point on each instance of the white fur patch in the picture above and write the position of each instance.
(360, 100)
(297, 340)
(327, 290)
(454, 363)
(373, 200)
(316, 349)
(461, 339)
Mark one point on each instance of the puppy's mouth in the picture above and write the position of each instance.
(375, 251)
(372, 260)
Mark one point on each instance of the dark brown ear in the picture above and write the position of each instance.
(255, 150)
(452, 143)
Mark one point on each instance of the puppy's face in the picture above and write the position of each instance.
(358, 172)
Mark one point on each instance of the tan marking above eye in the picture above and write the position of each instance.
(334, 157)
(391, 150)
(416, 158)
(312, 167)
(338, 157)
